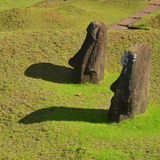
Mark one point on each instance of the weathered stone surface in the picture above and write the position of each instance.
(131, 89)
(89, 61)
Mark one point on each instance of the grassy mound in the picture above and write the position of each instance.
(66, 15)
(30, 19)
(149, 22)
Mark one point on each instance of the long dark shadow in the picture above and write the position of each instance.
(66, 114)
(50, 72)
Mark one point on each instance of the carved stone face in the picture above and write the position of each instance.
(93, 29)
(89, 61)
(121, 88)
(131, 87)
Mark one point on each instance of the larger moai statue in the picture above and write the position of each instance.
(131, 89)
(89, 61)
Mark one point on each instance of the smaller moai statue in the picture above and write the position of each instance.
(89, 61)
(131, 89)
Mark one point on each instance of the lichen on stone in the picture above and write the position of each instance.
(125, 58)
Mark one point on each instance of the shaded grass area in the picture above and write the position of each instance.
(43, 115)
(66, 114)
(50, 72)
(137, 138)
(149, 22)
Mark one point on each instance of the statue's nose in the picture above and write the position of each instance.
(114, 85)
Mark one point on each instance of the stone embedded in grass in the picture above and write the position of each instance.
(89, 61)
(131, 89)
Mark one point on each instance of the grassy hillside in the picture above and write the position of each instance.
(7, 4)
(43, 115)
(149, 22)
(67, 15)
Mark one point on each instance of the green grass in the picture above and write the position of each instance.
(43, 115)
(7, 4)
(67, 15)
(149, 22)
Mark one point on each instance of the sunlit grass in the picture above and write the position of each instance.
(43, 115)
(68, 15)
(7, 4)
(149, 22)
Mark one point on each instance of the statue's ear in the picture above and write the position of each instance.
(93, 29)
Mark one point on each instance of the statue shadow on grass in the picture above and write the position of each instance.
(50, 72)
(66, 114)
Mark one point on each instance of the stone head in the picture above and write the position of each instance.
(131, 89)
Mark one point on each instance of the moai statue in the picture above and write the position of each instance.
(89, 61)
(131, 89)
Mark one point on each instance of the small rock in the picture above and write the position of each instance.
(79, 94)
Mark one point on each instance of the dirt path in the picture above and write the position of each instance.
(124, 24)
